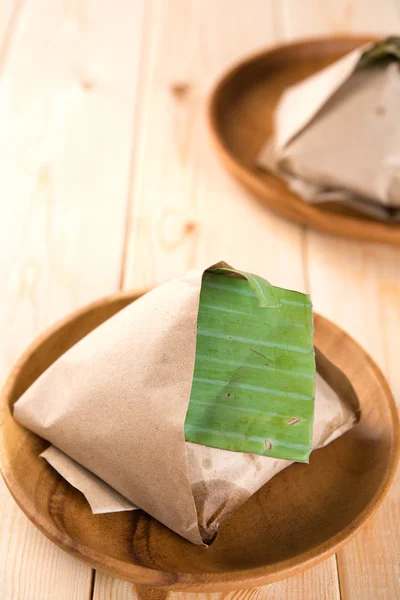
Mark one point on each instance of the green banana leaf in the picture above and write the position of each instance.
(388, 49)
(254, 374)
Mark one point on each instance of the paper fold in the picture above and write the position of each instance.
(101, 497)
(336, 138)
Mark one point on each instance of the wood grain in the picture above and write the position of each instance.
(315, 584)
(358, 285)
(67, 93)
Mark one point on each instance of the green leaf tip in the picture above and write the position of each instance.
(388, 48)
(254, 373)
(263, 290)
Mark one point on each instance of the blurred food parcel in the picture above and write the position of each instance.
(337, 133)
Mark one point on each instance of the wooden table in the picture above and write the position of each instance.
(108, 181)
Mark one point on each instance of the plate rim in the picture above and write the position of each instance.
(293, 208)
(182, 581)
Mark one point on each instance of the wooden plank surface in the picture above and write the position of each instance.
(319, 583)
(185, 210)
(9, 15)
(313, 17)
(68, 150)
(67, 101)
(369, 567)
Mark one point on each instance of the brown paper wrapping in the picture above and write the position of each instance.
(336, 137)
(220, 480)
(116, 404)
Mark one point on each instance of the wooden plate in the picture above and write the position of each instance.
(304, 515)
(240, 117)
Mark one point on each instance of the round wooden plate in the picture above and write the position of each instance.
(304, 515)
(240, 117)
